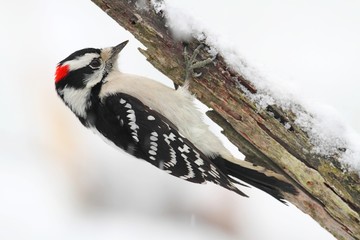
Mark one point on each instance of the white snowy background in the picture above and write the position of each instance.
(59, 181)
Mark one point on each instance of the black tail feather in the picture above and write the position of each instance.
(268, 184)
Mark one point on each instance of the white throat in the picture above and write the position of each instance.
(77, 99)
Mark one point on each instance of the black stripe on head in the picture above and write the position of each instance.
(75, 78)
(80, 53)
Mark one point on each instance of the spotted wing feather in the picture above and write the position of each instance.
(157, 141)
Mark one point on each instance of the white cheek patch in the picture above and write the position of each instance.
(82, 61)
(93, 79)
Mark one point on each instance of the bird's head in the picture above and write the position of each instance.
(80, 72)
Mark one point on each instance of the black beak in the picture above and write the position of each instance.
(114, 51)
(117, 49)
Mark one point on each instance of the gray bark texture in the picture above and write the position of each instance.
(328, 194)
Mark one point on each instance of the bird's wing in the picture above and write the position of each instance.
(161, 144)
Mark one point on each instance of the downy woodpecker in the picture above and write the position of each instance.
(151, 121)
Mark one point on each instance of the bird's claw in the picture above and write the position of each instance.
(192, 64)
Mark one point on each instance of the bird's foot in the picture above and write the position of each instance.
(192, 64)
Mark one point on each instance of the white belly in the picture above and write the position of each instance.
(175, 105)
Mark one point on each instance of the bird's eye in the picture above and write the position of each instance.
(95, 63)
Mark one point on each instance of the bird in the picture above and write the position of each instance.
(153, 122)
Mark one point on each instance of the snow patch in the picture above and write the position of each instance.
(328, 132)
(158, 5)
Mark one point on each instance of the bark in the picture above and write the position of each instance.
(327, 193)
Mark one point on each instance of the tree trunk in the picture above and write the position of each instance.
(326, 192)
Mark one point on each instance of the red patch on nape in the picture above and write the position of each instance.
(61, 72)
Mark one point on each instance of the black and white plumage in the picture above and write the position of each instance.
(151, 121)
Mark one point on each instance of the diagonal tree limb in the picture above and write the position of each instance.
(327, 193)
